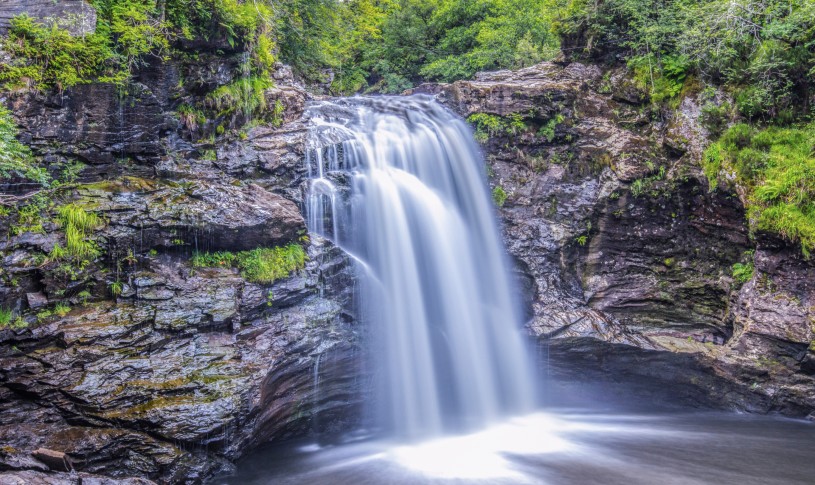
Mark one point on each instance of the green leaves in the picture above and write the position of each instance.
(261, 265)
(777, 167)
(15, 158)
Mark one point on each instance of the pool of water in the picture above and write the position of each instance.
(563, 447)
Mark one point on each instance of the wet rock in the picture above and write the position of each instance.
(202, 214)
(29, 477)
(55, 460)
(36, 300)
(618, 239)
(76, 16)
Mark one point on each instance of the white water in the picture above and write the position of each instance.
(398, 182)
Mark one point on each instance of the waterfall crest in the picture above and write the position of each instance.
(398, 182)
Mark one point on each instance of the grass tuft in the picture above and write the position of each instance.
(261, 265)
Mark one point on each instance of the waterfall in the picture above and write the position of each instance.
(399, 184)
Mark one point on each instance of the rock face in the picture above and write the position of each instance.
(76, 16)
(618, 240)
(136, 363)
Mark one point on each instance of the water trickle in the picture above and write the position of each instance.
(398, 183)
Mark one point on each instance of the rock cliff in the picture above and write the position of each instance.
(619, 242)
(139, 363)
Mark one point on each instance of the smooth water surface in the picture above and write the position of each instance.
(567, 448)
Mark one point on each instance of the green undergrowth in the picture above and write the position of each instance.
(499, 196)
(46, 55)
(79, 226)
(776, 166)
(261, 265)
(487, 125)
(244, 96)
(15, 158)
(743, 270)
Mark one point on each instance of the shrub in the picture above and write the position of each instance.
(499, 196)
(487, 125)
(777, 168)
(261, 265)
(15, 158)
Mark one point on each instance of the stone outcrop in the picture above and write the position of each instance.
(618, 240)
(76, 16)
(152, 367)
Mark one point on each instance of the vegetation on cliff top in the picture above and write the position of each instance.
(127, 31)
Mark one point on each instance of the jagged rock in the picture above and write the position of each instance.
(202, 215)
(36, 300)
(76, 16)
(168, 388)
(611, 247)
(55, 460)
(29, 477)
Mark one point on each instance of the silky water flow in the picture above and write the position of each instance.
(399, 183)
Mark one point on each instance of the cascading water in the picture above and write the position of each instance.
(398, 183)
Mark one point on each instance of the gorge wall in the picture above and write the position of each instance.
(167, 371)
(154, 367)
(619, 242)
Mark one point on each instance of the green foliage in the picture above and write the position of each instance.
(79, 226)
(548, 129)
(762, 51)
(261, 265)
(390, 45)
(116, 288)
(11, 321)
(499, 196)
(582, 240)
(191, 117)
(6, 317)
(645, 185)
(244, 96)
(777, 168)
(62, 309)
(127, 31)
(663, 77)
(29, 216)
(743, 271)
(16, 158)
(487, 125)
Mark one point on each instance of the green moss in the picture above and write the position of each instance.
(487, 125)
(777, 168)
(499, 196)
(261, 265)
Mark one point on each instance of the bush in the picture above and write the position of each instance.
(261, 265)
(777, 167)
(487, 125)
